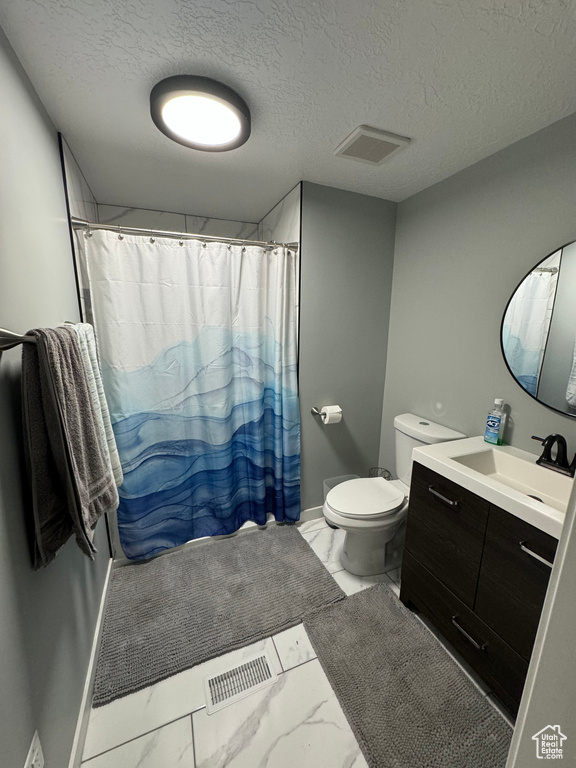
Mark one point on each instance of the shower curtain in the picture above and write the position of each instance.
(198, 344)
(525, 327)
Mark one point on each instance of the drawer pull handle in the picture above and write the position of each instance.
(534, 555)
(467, 636)
(442, 498)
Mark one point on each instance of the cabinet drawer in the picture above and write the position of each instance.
(445, 531)
(493, 659)
(513, 582)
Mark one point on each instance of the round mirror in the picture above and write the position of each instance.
(538, 333)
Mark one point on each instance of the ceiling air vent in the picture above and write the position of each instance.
(370, 145)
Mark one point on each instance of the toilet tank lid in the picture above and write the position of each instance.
(426, 431)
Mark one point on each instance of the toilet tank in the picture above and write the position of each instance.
(413, 431)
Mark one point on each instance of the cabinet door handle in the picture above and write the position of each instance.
(467, 636)
(450, 502)
(534, 555)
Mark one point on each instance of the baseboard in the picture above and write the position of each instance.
(83, 716)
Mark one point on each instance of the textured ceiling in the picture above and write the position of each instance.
(461, 78)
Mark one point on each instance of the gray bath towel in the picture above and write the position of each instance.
(51, 497)
(71, 482)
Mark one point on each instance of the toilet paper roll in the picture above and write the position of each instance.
(331, 414)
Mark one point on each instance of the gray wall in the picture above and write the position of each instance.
(462, 246)
(347, 250)
(47, 618)
(559, 354)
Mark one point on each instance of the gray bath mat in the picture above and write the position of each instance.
(408, 703)
(178, 610)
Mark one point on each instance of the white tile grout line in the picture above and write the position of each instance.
(193, 740)
(140, 735)
(278, 654)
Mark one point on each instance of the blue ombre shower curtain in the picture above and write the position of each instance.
(198, 345)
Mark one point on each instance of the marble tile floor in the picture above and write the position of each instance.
(295, 721)
(327, 544)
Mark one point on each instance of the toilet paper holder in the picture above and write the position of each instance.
(330, 414)
(317, 411)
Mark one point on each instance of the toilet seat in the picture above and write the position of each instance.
(365, 498)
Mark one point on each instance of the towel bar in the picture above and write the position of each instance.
(9, 339)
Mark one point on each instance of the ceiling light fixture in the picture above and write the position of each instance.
(200, 113)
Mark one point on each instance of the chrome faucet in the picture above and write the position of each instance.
(560, 463)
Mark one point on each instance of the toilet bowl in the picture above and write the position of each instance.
(370, 510)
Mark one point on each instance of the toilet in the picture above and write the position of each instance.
(372, 511)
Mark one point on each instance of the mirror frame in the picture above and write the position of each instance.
(541, 402)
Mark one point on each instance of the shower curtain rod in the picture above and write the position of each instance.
(81, 224)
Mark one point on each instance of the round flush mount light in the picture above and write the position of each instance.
(200, 113)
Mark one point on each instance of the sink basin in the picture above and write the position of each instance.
(529, 478)
(505, 476)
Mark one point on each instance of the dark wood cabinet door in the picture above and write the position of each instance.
(445, 531)
(494, 660)
(514, 578)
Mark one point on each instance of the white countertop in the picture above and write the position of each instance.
(441, 458)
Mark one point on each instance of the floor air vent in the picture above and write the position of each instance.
(236, 683)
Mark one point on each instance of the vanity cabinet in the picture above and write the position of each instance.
(479, 574)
